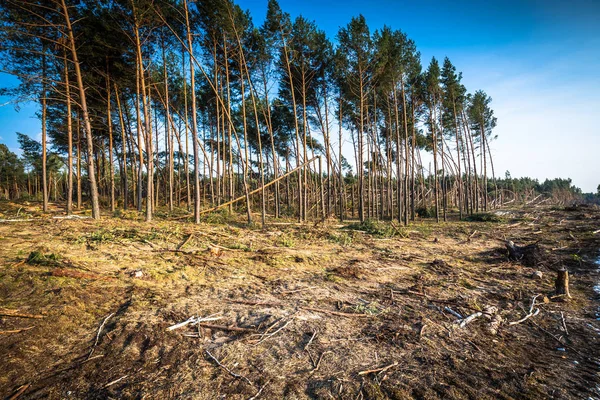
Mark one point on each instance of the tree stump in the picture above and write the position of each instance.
(529, 256)
(561, 285)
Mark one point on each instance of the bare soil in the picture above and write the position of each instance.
(334, 310)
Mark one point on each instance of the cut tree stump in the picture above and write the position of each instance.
(561, 285)
(529, 255)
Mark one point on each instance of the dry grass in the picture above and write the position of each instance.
(368, 298)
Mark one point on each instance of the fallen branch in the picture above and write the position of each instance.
(10, 313)
(259, 391)
(237, 376)
(488, 312)
(316, 368)
(19, 392)
(564, 324)
(469, 319)
(116, 381)
(311, 340)
(378, 370)
(72, 217)
(98, 334)
(530, 314)
(556, 338)
(451, 311)
(16, 330)
(185, 241)
(193, 320)
(340, 314)
(226, 328)
(286, 292)
(256, 303)
(274, 333)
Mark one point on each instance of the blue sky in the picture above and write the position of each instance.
(538, 60)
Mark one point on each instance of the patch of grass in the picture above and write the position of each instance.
(341, 238)
(484, 217)
(333, 277)
(102, 235)
(219, 217)
(375, 228)
(48, 260)
(286, 240)
(370, 309)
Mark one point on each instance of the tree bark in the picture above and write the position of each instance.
(86, 119)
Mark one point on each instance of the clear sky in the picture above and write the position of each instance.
(538, 59)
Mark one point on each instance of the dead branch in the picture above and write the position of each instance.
(226, 328)
(185, 241)
(193, 320)
(451, 311)
(237, 376)
(116, 381)
(257, 303)
(316, 368)
(16, 330)
(259, 391)
(73, 216)
(98, 334)
(11, 313)
(19, 392)
(263, 338)
(564, 324)
(311, 340)
(488, 312)
(378, 370)
(530, 314)
(286, 292)
(340, 314)
(462, 323)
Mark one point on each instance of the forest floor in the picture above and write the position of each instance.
(294, 311)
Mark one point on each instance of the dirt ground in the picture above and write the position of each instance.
(343, 311)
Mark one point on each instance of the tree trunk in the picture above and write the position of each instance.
(86, 119)
(561, 285)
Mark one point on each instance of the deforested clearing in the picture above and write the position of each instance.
(298, 310)
(241, 199)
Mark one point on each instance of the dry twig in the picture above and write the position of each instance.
(16, 330)
(98, 334)
(531, 312)
(378, 370)
(237, 376)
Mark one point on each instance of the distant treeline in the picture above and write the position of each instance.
(20, 179)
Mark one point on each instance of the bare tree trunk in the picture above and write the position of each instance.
(69, 139)
(86, 119)
(110, 145)
(194, 121)
(79, 196)
(44, 135)
(124, 195)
